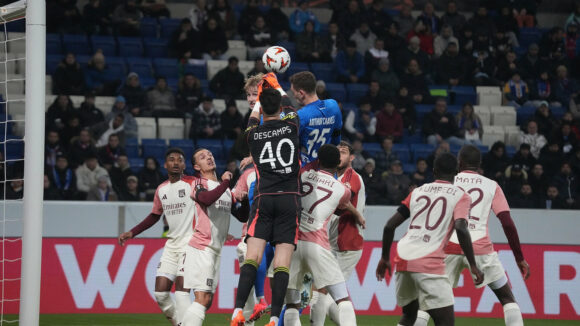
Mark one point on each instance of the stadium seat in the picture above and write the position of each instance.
(525, 113)
(146, 127)
(492, 134)
(153, 147)
(484, 114)
(149, 27)
(156, 48)
(512, 135)
(213, 66)
(487, 95)
(483, 149)
(16, 42)
(171, 128)
(237, 48)
(336, 91)
(421, 150)
(454, 109)
(503, 116)
(77, 44)
(198, 70)
(173, 84)
(117, 64)
(205, 88)
(106, 44)
(323, 71)
(147, 82)
(510, 151)
(15, 108)
(130, 46)
(168, 26)
(243, 107)
(245, 66)
(132, 147)
(215, 146)
(422, 110)
(14, 147)
(166, 67)
(219, 105)
(53, 44)
(228, 144)
(185, 144)
(403, 152)
(409, 168)
(528, 36)
(142, 66)
(294, 68)
(289, 46)
(412, 139)
(558, 111)
(463, 94)
(136, 164)
(52, 62)
(356, 92)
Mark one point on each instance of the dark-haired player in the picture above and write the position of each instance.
(436, 209)
(171, 200)
(486, 196)
(322, 196)
(274, 145)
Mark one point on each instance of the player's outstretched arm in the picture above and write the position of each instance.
(148, 222)
(511, 233)
(467, 247)
(388, 234)
(357, 215)
(208, 197)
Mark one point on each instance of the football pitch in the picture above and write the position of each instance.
(223, 320)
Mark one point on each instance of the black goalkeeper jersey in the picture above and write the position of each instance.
(275, 148)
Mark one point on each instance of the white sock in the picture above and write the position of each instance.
(249, 306)
(194, 315)
(236, 312)
(182, 302)
(512, 315)
(346, 313)
(319, 309)
(422, 318)
(166, 304)
(275, 320)
(292, 317)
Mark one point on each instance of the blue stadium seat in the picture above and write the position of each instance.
(524, 114)
(149, 27)
(136, 164)
(132, 147)
(421, 150)
(173, 84)
(464, 94)
(117, 64)
(53, 44)
(409, 168)
(166, 67)
(156, 48)
(52, 61)
(290, 47)
(14, 148)
(205, 88)
(294, 68)
(214, 146)
(106, 44)
(130, 46)
(77, 44)
(528, 36)
(510, 151)
(142, 66)
(228, 144)
(454, 109)
(147, 82)
(356, 92)
(199, 71)
(153, 147)
(483, 149)
(336, 91)
(422, 110)
(323, 71)
(403, 152)
(558, 111)
(168, 26)
(185, 144)
(412, 139)
(374, 147)
(454, 149)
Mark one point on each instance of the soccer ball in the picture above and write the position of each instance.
(276, 59)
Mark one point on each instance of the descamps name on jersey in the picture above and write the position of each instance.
(174, 209)
(272, 133)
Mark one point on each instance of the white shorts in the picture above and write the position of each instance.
(320, 262)
(433, 291)
(201, 270)
(347, 261)
(171, 264)
(489, 265)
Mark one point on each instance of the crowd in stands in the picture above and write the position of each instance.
(398, 55)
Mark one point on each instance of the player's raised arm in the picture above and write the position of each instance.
(388, 234)
(208, 197)
(461, 214)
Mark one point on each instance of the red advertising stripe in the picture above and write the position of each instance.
(99, 276)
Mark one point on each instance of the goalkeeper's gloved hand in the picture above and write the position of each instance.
(270, 80)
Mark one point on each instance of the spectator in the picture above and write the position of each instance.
(524, 158)
(440, 125)
(452, 17)
(214, 42)
(466, 41)
(574, 16)
(393, 41)
(71, 129)
(502, 43)
(406, 107)
(378, 18)
(150, 178)
(483, 69)
(375, 97)
(335, 40)
(551, 157)
(360, 156)
(58, 112)
(482, 21)
(258, 39)
(568, 185)
(429, 17)
(469, 124)
(348, 17)
(64, 178)
(228, 83)
(127, 18)
(52, 148)
(386, 156)
(538, 180)
(198, 15)
(505, 21)
(185, 41)
(495, 162)
(88, 113)
(248, 16)
(422, 174)
(100, 78)
(443, 40)
(571, 40)
(416, 82)
(525, 198)
(566, 138)
(160, 99)
(62, 16)
(102, 191)
(361, 125)
(109, 153)
(119, 172)
(81, 147)
(88, 174)
(374, 55)
(507, 67)
(310, 46)
(68, 78)
(551, 42)
(451, 68)
(363, 37)
(574, 107)
(133, 93)
(575, 160)
(300, 16)
(553, 199)
(514, 178)
(546, 121)
(376, 188)
(533, 138)
(15, 189)
(389, 122)
(443, 147)
(542, 91)
(482, 42)
(129, 122)
(516, 92)
(412, 52)
(130, 191)
(189, 94)
(349, 64)
(155, 8)
(206, 121)
(524, 12)
(232, 121)
(321, 90)
(278, 21)
(405, 20)
(50, 193)
(531, 65)
(386, 78)
(423, 32)
(96, 19)
(569, 118)
(564, 87)
(258, 68)
(398, 184)
(103, 131)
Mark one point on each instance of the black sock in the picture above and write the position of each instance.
(247, 279)
(279, 287)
